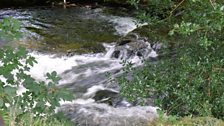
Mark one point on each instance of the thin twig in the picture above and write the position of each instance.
(212, 3)
(171, 12)
(218, 69)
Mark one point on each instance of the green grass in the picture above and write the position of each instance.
(29, 119)
(44, 122)
(188, 121)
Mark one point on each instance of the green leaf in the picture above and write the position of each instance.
(30, 61)
(1, 103)
(53, 76)
(9, 99)
(11, 91)
(171, 32)
(21, 52)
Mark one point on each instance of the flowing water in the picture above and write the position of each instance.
(77, 43)
(76, 29)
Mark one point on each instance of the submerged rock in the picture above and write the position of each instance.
(93, 114)
(105, 96)
(108, 96)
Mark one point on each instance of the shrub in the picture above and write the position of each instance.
(14, 72)
(189, 81)
(9, 29)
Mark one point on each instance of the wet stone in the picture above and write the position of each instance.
(93, 114)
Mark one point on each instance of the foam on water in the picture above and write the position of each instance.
(49, 63)
(91, 91)
(110, 49)
(124, 25)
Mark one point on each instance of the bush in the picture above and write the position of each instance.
(9, 29)
(14, 68)
(189, 81)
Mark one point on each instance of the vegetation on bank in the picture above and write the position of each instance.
(187, 80)
(170, 120)
(37, 103)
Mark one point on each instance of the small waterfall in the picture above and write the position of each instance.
(72, 68)
(109, 50)
(124, 25)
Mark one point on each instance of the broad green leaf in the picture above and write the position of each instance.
(11, 91)
(1, 103)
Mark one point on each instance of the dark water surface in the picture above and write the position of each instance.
(76, 29)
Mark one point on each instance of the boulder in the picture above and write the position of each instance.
(109, 96)
(93, 114)
(133, 45)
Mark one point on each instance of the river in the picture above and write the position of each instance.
(79, 44)
(76, 42)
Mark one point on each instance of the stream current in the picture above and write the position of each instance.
(78, 43)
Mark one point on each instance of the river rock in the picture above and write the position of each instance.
(106, 96)
(133, 45)
(109, 96)
(93, 114)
